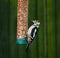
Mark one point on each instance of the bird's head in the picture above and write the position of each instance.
(36, 22)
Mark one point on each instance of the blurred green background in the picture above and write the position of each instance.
(47, 44)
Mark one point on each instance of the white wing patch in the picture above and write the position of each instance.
(34, 33)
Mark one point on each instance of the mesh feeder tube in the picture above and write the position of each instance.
(22, 21)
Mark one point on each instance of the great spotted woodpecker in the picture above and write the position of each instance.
(31, 33)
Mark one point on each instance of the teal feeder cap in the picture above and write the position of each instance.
(21, 41)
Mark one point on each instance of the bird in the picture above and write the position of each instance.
(32, 31)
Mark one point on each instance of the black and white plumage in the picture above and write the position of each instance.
(31, 33)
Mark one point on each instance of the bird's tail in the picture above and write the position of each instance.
(27, 47)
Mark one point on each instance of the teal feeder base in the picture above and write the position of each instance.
(21, 41)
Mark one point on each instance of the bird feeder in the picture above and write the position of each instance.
(22, 21)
